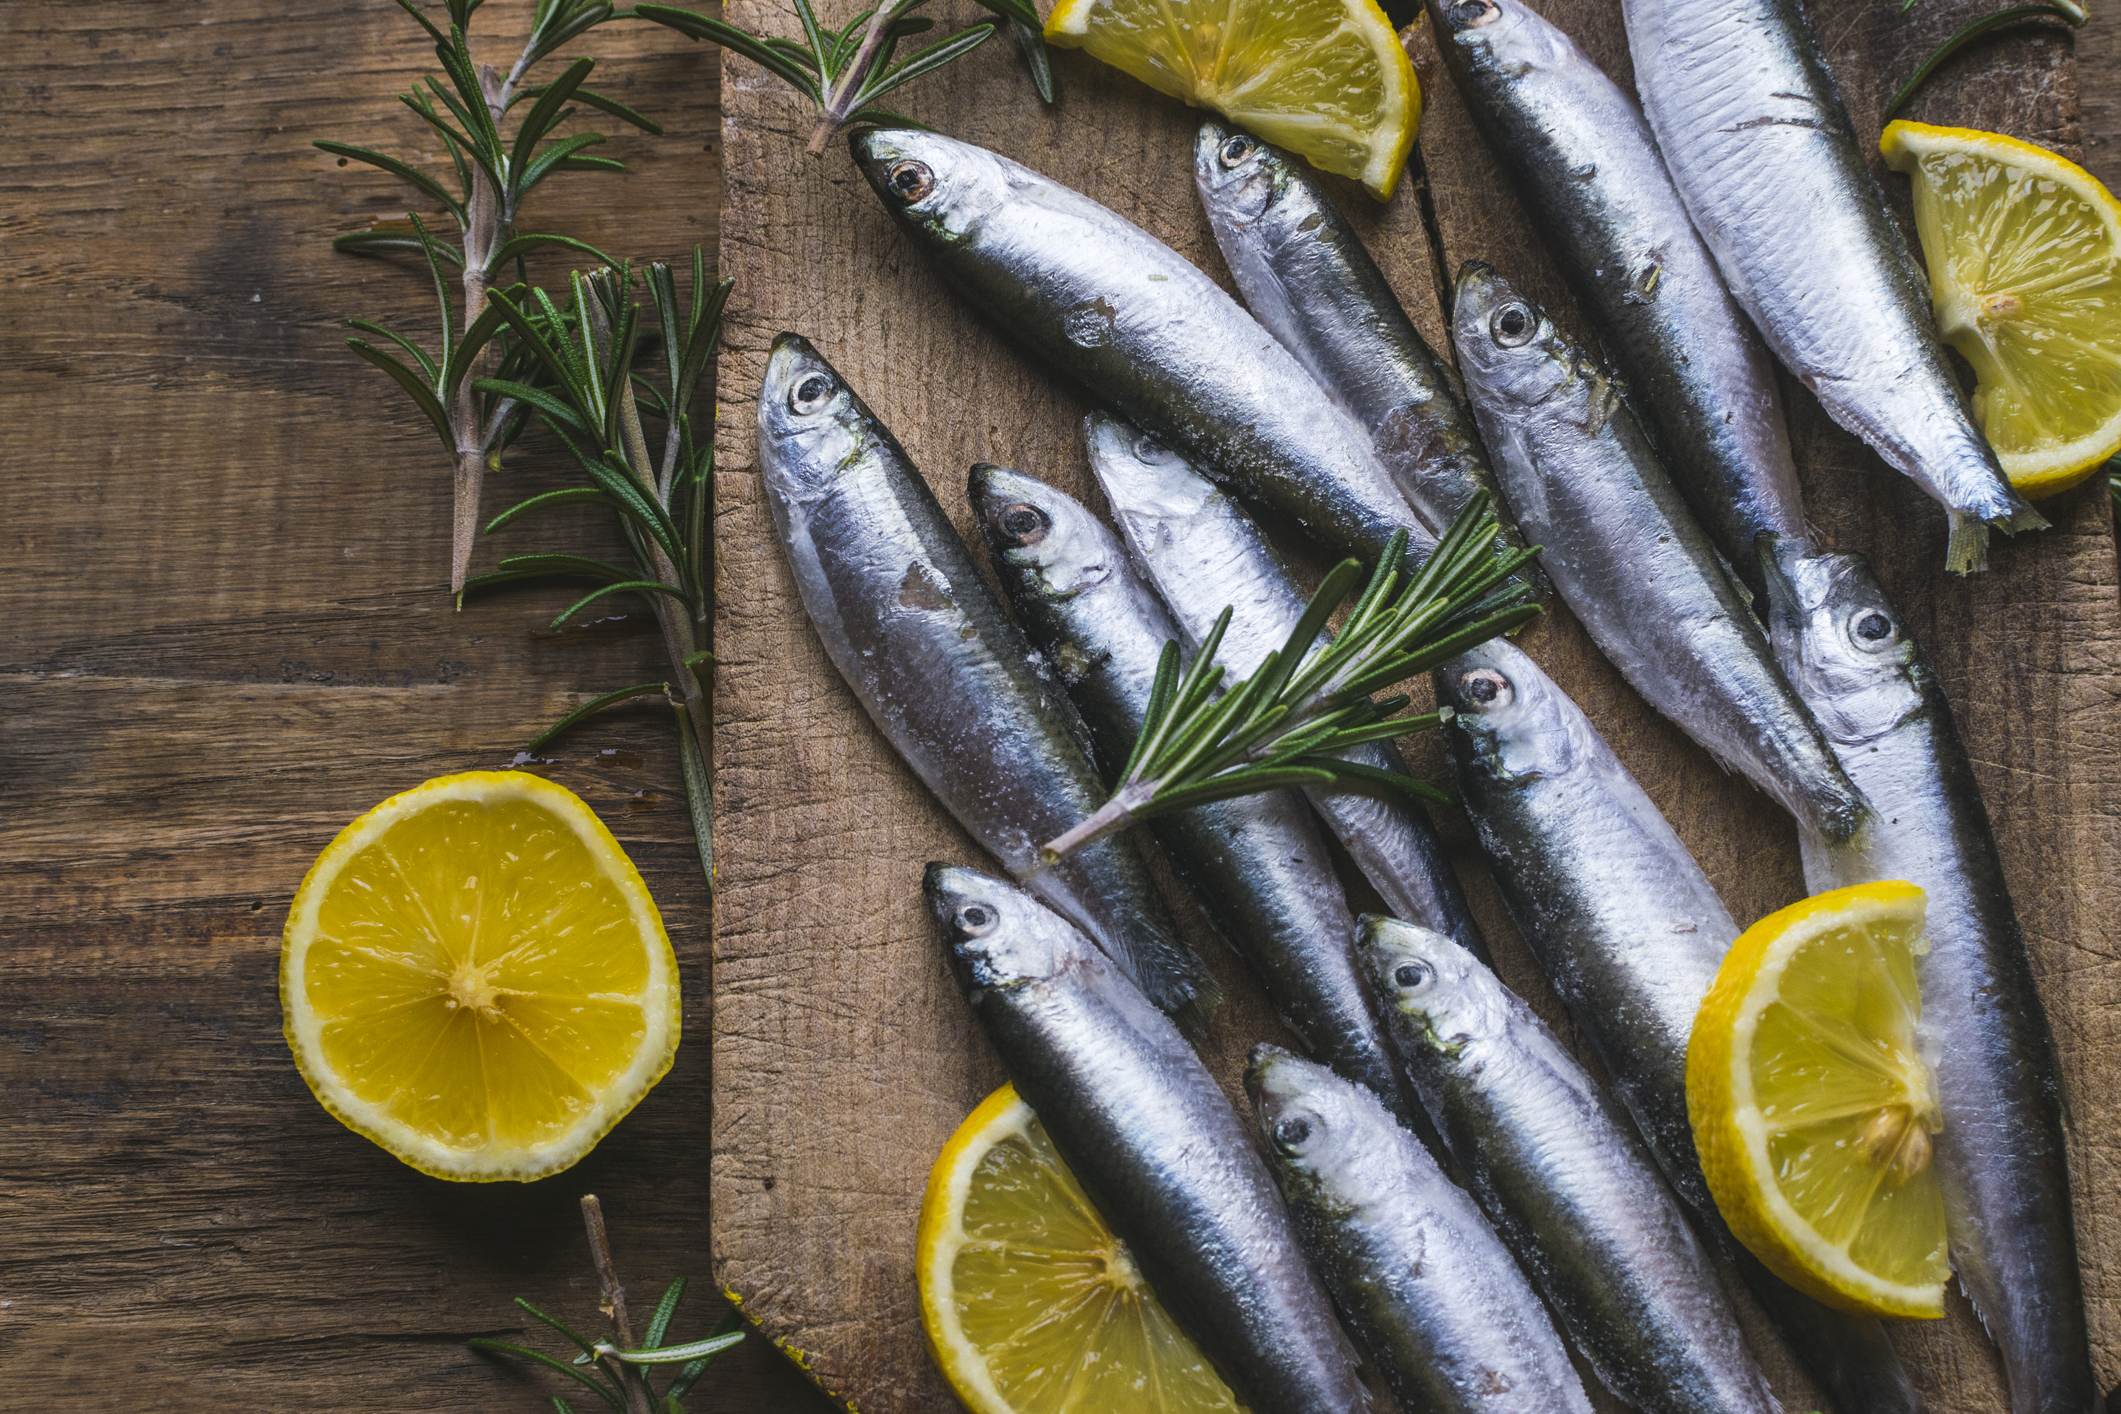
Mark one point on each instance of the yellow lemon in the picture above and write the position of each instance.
(1324, 78)
(474, 976)
(1813, 1108)
(1030, 1303)
(2024, 257)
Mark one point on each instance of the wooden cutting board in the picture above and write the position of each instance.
(844, 1055)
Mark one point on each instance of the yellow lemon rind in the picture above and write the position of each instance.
(301, 1026)
(941, 1232)
(1731, 1140)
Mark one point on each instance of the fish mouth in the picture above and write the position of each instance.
(1266, 1082)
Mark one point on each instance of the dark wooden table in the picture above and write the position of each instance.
(227, 635)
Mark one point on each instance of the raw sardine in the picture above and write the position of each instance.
(1561, 1173)
(947, 678)
(1204, 554)
(2001, 1154)
(1763, 153)
(1258, 864)
(1628, 930)
(1581, 155)
(1146, 1130)
(1143, 330)
(1628, 556)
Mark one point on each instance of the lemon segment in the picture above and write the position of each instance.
(1323, 78)
(2024, 257)
(474, 976)
(1813, 1108)
(1031, 1305)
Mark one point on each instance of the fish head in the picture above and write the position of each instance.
(1841, 643)
(1504, 33)
(933, 184)
(1508, 721)
(1148, 485)
(1510, 352)
(1055, 546)
(997, 936)
(1448, 998)
(1240, 178)
(1305, 1117)
(812, 427)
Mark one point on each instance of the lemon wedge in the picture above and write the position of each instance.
(2024, 257)
(1813, 1108)
(1324, 78)
(1030, 1303)
(474, 976)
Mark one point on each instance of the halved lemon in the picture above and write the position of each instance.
(2024, 257)
(1030, 1303)
(1813, 1107)
(1324, 78)
(474, 976)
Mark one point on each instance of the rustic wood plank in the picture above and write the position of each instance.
(843, 1055)
(227, 634)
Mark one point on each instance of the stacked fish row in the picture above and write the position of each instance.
(1330, 415)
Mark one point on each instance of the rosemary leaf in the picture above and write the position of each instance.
(589, 709)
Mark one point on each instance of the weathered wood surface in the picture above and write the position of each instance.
(228, 633)
(843, 1054)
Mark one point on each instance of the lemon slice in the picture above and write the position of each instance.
(1030, 1303)
(1813, 1108)
(2024, 257)
(1324, 78)
(474, 976)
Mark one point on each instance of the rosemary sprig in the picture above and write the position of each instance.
(494, 172)
(608, 1367)
(843, 72)
(2068, 11)
(1281, 726)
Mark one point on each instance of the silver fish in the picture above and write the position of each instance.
(1147, 1131)
(945, 675)
(1142, 329)
(1258, 864)
(1203, 554)
(1564, 1178)
(1427, 1289)
(1629, 558)
(1305, 275)
(1763, 153)
(1628, 930)
(2002, 1157)
(1580, 153)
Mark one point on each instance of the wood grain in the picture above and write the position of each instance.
(843, 1055)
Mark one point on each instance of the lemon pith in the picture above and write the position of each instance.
(1814, 1112)
(2023, 250)
(1030, 1304)
(474, 977)
(1324, 78)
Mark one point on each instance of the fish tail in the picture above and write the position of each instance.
(2020, 516)
(1967, 550)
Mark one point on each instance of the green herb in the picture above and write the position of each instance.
(2068, 11)
(1280, 726)
(610, 1368)
(843, 72)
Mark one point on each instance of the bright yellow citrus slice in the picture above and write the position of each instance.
(1813, 1108)
(2024, 257)
(474, 976)
(1030, 1303)
(1324, 78)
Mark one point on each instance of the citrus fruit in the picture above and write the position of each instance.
(2024, 257)
(474, 976)
(1324, 78)
(1031, 1304)
(1813, 1108)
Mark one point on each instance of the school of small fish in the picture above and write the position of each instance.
(1439, 1194)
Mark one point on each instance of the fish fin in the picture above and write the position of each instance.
(1967, 550)
(2021, 516)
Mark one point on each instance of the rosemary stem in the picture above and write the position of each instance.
(839, 101)
(1113, 816)
(483, 225)
(629, 1379)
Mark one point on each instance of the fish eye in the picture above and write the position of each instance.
(1025, 524)
(1484, 687)
(1290, 1134)
(1472, 14)
(1235, 150)
(1513, 325)
(810, 394)
(910, 180)
(1872, 629)
(1150, 451)
(1413, 976)
(976, 920)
